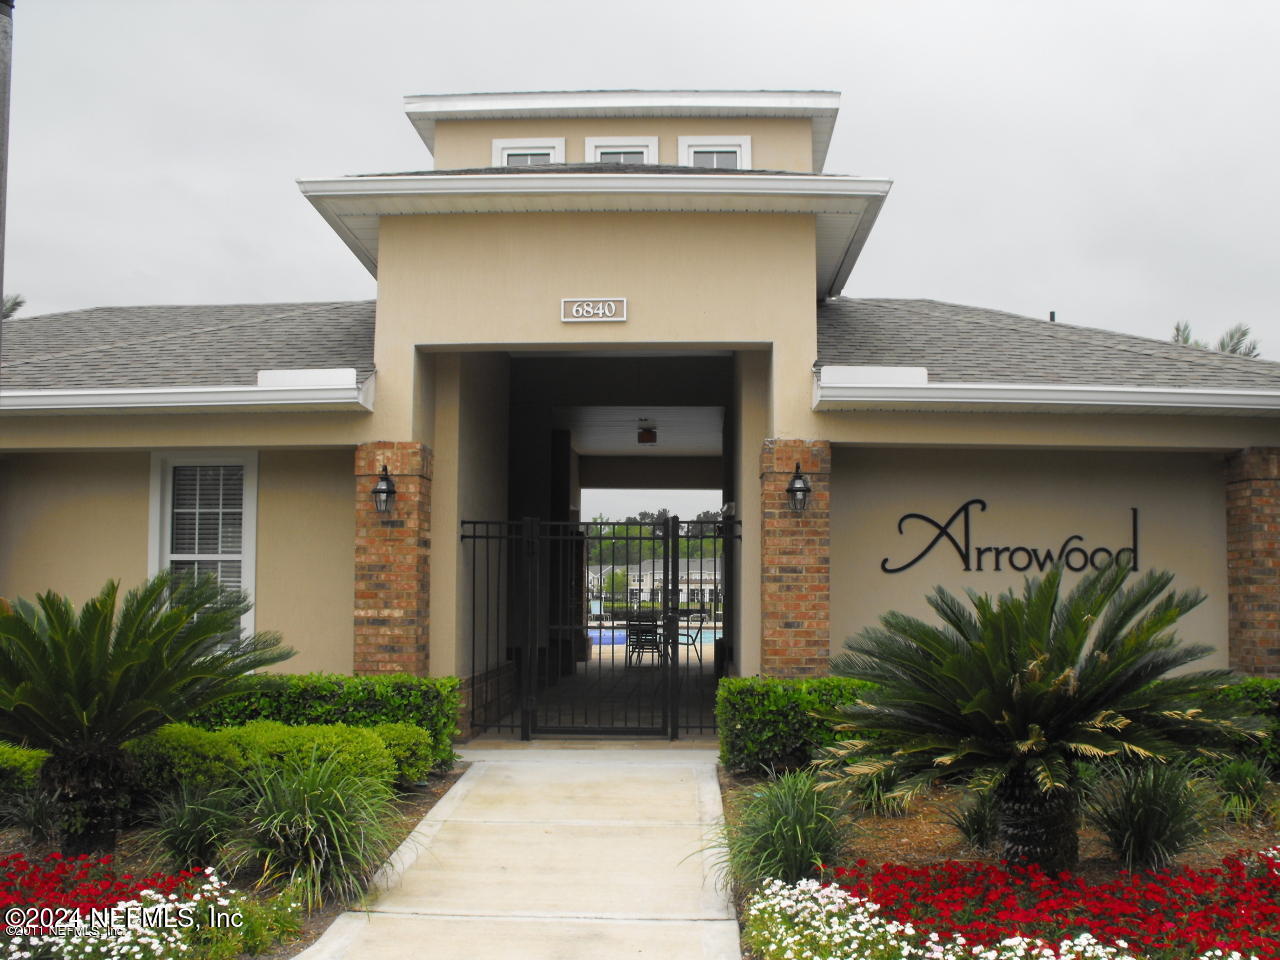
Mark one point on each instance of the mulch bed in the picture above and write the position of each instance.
(925, 836)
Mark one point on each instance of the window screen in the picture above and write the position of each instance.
(719, 159)
(527, 159)
(622, 156)
(207, 523)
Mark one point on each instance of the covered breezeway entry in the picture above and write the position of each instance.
(609, 628)
(581, 625)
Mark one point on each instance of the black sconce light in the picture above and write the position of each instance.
(647, 432)
(798, 490)
(384, 492)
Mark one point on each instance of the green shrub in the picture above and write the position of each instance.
(431, 703)
(354, 750)
(192, 825)
(1244, 786)
(19, 768)
(412, 750)
(179, 754)
(205, 760)
(1148, 813)
(977, 818)
(313, 824)
(767, 722)
(783, 829)
(34, 812)
(1261, 695)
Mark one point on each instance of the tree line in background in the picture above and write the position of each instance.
(639, 538)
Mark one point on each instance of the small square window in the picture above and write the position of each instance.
(527, 151)
(716, 152)
(621, 150)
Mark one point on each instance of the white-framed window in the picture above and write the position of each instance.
(621, 150)
(718, 152)
(204, 517)
(527, 151)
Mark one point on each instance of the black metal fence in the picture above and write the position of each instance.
(599, 628)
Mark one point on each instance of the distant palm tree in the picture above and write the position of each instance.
(1235, 340)
(12, 304)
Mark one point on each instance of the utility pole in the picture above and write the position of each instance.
(6, 69)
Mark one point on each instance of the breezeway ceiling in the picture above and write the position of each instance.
(611, 431)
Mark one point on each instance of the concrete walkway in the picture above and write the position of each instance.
(555, 854)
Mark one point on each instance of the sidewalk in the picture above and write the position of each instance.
(555, 854)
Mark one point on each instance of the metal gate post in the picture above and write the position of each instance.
(671, 619)
(529, 654)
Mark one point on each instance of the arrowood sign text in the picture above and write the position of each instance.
(957, 532)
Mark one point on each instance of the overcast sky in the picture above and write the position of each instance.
(1114, 161)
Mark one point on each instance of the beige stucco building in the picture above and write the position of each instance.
(622, 289)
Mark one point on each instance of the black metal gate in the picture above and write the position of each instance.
(599, 628)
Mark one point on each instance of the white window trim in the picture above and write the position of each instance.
(160, 512)
(505, 145)
(597, 145)
(685, 146)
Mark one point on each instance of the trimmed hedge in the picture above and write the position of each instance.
(431, 703)
(767, 722)
(412, 750)
(180, 753)
(19, 768)
(1262, 696)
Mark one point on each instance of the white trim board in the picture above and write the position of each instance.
(837, 388)
(278, 396)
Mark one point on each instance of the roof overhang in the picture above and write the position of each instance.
(845, 208)
(276, 391)
(848, 388)
(820, 106)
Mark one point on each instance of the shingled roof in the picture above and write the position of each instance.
(181, 346)
(959, 344)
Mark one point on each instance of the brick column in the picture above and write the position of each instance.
(392, 560)
(795, 561)
(1253, 560)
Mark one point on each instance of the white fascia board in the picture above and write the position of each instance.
(833, 391)
(533, 184)
(353, 397)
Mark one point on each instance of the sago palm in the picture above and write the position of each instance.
(80, 685)
(1024, 686)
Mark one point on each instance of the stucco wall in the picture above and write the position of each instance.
(699, 279)
(72, 521)
(1035, 499)
(306, 559)
(469, 483)
(777, 143)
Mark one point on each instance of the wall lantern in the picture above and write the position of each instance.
(798, 490)
(384, 492)
(647, 432)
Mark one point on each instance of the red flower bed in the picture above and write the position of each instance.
(1166, 914)
(81, 883)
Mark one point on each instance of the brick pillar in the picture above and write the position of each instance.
(1253, 560)
(392, 560)
(795, 561)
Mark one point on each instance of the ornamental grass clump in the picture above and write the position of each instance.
(1149, 812)
(1023, 687)
(1246, 789)
(310, 823)
(784, 828)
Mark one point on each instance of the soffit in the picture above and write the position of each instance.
(845, 208)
